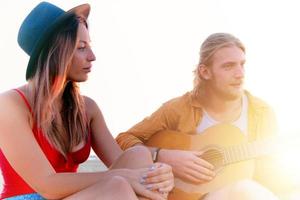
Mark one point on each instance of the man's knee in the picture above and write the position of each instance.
(250, 190)
(245, 189)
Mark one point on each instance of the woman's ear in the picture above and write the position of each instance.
(204, 72)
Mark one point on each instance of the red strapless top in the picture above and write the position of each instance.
(15, 185)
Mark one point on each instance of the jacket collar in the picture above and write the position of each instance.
(196, 102)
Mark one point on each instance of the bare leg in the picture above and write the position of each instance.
(117, 187)
(106, 192)
(134, 157)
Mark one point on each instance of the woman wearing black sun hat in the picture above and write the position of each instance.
(47, 128)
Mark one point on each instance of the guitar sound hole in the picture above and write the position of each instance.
(214, 157)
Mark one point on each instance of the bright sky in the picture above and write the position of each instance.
(146, 52)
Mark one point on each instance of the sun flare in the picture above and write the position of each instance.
(287, 159)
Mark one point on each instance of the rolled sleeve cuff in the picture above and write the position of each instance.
(126, 141)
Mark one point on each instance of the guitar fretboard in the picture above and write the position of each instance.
(247, 151)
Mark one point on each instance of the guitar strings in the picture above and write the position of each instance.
(234, 154)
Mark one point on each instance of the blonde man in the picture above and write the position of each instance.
(218, 97)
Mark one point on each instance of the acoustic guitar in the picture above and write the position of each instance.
(224, 146)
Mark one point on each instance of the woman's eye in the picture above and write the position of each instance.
(81, 48)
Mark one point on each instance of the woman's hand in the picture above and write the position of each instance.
(159, 178)
(154, 182)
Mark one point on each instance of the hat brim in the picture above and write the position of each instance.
(81, 11)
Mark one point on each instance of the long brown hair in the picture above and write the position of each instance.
(58, 107)
(209, 47)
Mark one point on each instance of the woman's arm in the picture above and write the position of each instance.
(103, 143)
(135, 158)
(24, 154)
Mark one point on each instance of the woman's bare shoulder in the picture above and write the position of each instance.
(90, 106)
(11, 103)
(8, 98)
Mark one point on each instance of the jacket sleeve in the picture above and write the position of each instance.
(163, 118)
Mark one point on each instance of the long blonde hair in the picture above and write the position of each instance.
(64, 123)
(209, 47)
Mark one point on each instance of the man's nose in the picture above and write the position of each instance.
(240, 72)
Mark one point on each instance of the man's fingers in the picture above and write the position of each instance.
(202, 169)
(199, 176)
(203, 163)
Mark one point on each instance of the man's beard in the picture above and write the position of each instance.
(229, 95)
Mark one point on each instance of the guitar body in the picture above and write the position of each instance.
(213, 141)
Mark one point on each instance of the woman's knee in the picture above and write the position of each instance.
(119, 182)
(138, 153)
(134, 157)
(119, 188)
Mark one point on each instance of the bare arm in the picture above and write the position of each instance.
(103, 143)
(24, 154)
(109, 151)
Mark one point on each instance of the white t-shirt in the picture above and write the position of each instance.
(241, 123)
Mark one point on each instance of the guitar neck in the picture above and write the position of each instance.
(247, 151)
(220, 149)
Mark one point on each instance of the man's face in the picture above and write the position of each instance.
(226, 73)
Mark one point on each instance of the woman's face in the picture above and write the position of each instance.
(81, 63)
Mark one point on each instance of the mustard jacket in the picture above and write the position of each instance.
(184, 114)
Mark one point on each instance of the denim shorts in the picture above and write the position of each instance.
(33, 196)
